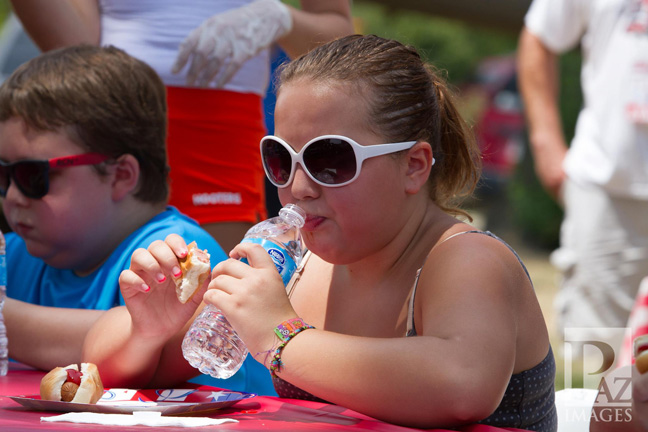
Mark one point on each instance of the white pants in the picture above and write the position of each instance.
(603, 256)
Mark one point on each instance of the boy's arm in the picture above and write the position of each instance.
(315, 23)
(57, 23)
(46, 337)
(538, 80)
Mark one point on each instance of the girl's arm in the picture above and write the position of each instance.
(128, 358)
(135, 346)
(455, 372)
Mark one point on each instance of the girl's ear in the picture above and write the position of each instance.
(419, 164)
(125, 176)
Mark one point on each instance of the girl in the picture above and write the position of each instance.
(407, 314)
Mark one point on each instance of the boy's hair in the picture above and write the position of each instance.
(105, 100)
(407, 100)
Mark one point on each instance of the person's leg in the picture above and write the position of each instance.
(603, 256)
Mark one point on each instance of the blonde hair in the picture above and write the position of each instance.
(408, 100)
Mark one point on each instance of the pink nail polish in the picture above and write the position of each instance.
(161, 278)
(146, 288)
(176, 271)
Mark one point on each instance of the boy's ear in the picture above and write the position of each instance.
(419, 163)
(126, 173)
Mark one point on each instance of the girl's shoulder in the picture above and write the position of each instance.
(475, 242)
(475, 258)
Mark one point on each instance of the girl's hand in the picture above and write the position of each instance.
(252, 297)
(149, 290)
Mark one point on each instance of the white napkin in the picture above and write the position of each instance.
(143, 418)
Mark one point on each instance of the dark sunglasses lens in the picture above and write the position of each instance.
(331, 161)
(277, 161)
(4, 180)
(31, 178)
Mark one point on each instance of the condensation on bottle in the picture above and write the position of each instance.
(211, 345)
(4, 343)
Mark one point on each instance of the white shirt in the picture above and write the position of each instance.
(152, 30)
(609, 149)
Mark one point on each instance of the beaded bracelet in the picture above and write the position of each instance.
(286, 331)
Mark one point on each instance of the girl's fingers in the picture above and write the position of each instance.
(167, 260)
(147, 267)
(177, 245)
(255, 254)
(231, 267)
(131, 284)
(214, 296)
(224, 282)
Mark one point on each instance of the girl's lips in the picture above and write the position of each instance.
(312, 222)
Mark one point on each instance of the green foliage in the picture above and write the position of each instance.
(535, 214)
(5, 7)
(450, 45)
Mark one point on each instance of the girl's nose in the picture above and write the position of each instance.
(302, 186)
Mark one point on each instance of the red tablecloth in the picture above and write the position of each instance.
(258, 413)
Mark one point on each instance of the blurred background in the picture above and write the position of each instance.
(474, 43)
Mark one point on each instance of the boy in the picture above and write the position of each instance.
(83, 176)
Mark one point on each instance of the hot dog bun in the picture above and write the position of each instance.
(641, 353)
(55, 388)
(195, 270)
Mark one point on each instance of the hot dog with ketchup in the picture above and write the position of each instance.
(195, 270)
(73, 384)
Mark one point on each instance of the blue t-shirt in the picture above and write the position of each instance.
(30, 280)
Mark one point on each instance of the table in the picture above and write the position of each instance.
(258, 413)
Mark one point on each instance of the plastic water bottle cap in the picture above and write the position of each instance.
(293, 214)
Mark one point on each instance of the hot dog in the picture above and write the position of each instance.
(641, 353)
(72, 384)
(195, 270)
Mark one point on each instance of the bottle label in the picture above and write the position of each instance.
(286, 266)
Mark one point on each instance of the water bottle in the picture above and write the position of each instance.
(4, 348)
(211, 345)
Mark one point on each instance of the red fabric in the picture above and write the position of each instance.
(258, 413)
(213, 147)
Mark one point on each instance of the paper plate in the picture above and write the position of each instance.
(126, 401)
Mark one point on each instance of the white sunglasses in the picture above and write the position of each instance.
(329, 160)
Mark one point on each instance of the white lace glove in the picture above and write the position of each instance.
(223, 42)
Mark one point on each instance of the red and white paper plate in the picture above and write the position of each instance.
(126, 401)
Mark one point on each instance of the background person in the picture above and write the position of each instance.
(215, 102)
(602, 178)
(400, 291)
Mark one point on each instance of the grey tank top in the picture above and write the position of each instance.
(528, 402)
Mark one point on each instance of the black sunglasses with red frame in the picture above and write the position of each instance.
(31, 177)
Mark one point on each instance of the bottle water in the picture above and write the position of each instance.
(211, 345)
(4, 348)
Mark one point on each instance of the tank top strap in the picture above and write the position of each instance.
(411, 329)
